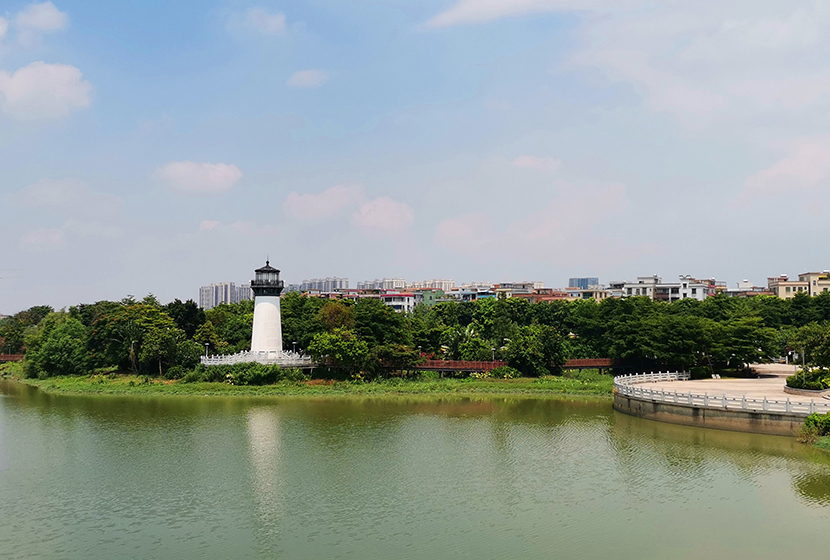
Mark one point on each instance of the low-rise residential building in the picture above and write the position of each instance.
(654, 288)
(745, 288)
(812, 283)
(594, 292)
(785, 288)
(817, 282)
(400, 301)
(547, 294)
(428, 296)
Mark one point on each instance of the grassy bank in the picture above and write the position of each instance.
(583, 385)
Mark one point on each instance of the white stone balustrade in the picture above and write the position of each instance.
(285, 359)
(632, 386)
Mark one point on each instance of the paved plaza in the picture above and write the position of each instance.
(767, 386)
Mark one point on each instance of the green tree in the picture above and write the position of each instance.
(206, 334)
(187, 315)
(57, 348)
(340, 348)
(377, 323)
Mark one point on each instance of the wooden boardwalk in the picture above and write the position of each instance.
(10, 358)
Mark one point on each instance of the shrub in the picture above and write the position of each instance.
(479, 375)
(248, 373)
(813, 379)
(175, 372)
(815, 426)
(505, 372)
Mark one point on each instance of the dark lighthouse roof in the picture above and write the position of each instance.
(267, 268)
(267, 281)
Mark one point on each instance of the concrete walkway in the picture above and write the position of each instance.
(770, 387)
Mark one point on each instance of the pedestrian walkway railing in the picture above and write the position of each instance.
(632, 386)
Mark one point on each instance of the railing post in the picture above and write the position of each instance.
(812, 406)
(789, 406)
(743, 403)
(765, 405)
(706, 399)
(724, 400)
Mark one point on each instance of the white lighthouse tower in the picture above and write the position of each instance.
(266, 340)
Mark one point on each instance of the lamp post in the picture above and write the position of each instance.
(494, 354)
(206, 349)
(294, 345)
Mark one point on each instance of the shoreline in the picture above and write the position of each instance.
(127, 385)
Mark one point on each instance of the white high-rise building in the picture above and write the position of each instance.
(330, 284)
(383, 284)
(224, 292)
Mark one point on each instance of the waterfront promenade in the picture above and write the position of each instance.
(749, 405)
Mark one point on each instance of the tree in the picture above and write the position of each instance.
(340, 348)
(57, 348)
(187, 315)
(206, 334)
(334, 315)
(377, 323)
(536, 350)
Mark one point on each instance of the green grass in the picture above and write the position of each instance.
(582, 385)
(823, 443)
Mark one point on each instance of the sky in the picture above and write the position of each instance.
(153, 147)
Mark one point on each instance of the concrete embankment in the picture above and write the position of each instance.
(773, 423)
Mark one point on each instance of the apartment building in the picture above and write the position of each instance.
(224, 292)
(811, 283)
(654, 288)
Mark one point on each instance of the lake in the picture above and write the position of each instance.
(393, 478)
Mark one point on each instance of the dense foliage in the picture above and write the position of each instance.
(368, 339)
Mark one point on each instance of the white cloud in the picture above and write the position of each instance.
(43, 91)
(384, 215)
(42, 240)
(4, 27)
(706, 62)
(483, 11)
(49, 239)
(36, 19)
(189, 177)
(537, 163)
(703, 62)
(564, 228)
(323, 205)
(68, 196)
(806, 167)
(308, 78)
(264, 22)
(207, 225)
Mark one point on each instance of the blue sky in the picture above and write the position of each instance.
(155, 146)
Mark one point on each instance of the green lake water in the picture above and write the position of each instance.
(393, 478)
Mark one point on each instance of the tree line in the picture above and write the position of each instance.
(368, 338)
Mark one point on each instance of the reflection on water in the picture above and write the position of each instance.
(264, 441)
(409, 477)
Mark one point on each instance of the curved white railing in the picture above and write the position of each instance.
(285, 359)
(629, 386)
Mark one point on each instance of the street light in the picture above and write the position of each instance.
(206, 349)
(494, 354)
(295, 347)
